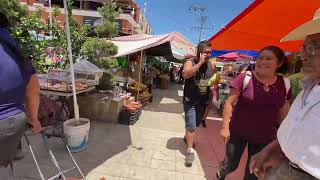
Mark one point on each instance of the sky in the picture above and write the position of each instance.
(174, 15)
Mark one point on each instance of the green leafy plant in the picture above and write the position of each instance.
(26, 32)
(107, 81)
(29, 27)
(108, 63)
(98, 49)
(13, 10)
(109, 25)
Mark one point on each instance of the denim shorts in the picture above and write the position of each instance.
(11, 130)
(193, 114)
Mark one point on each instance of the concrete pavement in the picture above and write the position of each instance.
(152, 149)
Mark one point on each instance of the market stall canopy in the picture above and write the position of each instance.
(263, 23)
(234, 56)
(216, 53)
(173, 45)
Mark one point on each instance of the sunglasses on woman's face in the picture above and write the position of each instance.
(207, 52)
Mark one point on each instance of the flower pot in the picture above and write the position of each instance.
(77, 133)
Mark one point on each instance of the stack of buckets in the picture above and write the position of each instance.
(77, 136)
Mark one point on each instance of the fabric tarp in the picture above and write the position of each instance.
(216, 53)
(172, 45)
(234, 56)
(263, 23)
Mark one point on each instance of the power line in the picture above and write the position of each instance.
(199, 11)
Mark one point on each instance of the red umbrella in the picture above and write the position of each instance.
(264, 23)
(235, 56)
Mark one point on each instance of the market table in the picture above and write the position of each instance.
(64, 97)
(65, 94)
(99, 107)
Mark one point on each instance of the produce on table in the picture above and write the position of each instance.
(136, 86)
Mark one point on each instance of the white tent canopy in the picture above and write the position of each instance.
(180, 46)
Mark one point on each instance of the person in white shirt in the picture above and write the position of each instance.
(295, 154)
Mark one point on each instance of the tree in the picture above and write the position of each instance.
(13, 10)
(98, 49)
(26, 32)
(109, 25)
(78, 32)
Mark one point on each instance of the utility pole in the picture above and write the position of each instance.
(145, 8)
(50, 13)
(199, 11)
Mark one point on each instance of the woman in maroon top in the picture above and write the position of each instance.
(252, 113)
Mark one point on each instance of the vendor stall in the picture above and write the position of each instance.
(138, 47)
(130, 83)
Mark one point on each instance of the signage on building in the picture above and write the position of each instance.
(44, 1)
(91, 21)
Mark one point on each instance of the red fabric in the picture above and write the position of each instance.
(234, 55)
(264, 23)
(47, 108)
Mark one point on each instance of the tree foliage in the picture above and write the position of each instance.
(78, 32)
(31, 31)
(13, 10)
(109, 25)
(107, 81)
(30, 28)
(26, 32)
(98, 49)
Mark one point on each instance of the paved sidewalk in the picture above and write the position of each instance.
(152, 149)
(158, 151)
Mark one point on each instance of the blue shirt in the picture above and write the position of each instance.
(13, 82)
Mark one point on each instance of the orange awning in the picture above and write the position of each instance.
(265, 22)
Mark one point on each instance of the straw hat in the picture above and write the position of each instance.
(308, 28)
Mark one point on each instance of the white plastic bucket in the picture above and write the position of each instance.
(77, 136)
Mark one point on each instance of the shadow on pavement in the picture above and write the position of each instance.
(105, 141)
(211, 151)
(178, 144)
(167, 100)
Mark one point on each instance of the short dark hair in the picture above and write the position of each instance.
(201, 46)
(4, 22)
(282, 58)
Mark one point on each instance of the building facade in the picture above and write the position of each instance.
(131, 21)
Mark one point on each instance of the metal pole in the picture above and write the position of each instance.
(50, 17)
(67, 28)
(34, 158)
(139, 78)
(200, 31)
(202, 20)
(50, 12)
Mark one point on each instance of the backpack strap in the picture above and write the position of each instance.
(246, 80)
(287, 84)
(248, 77)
